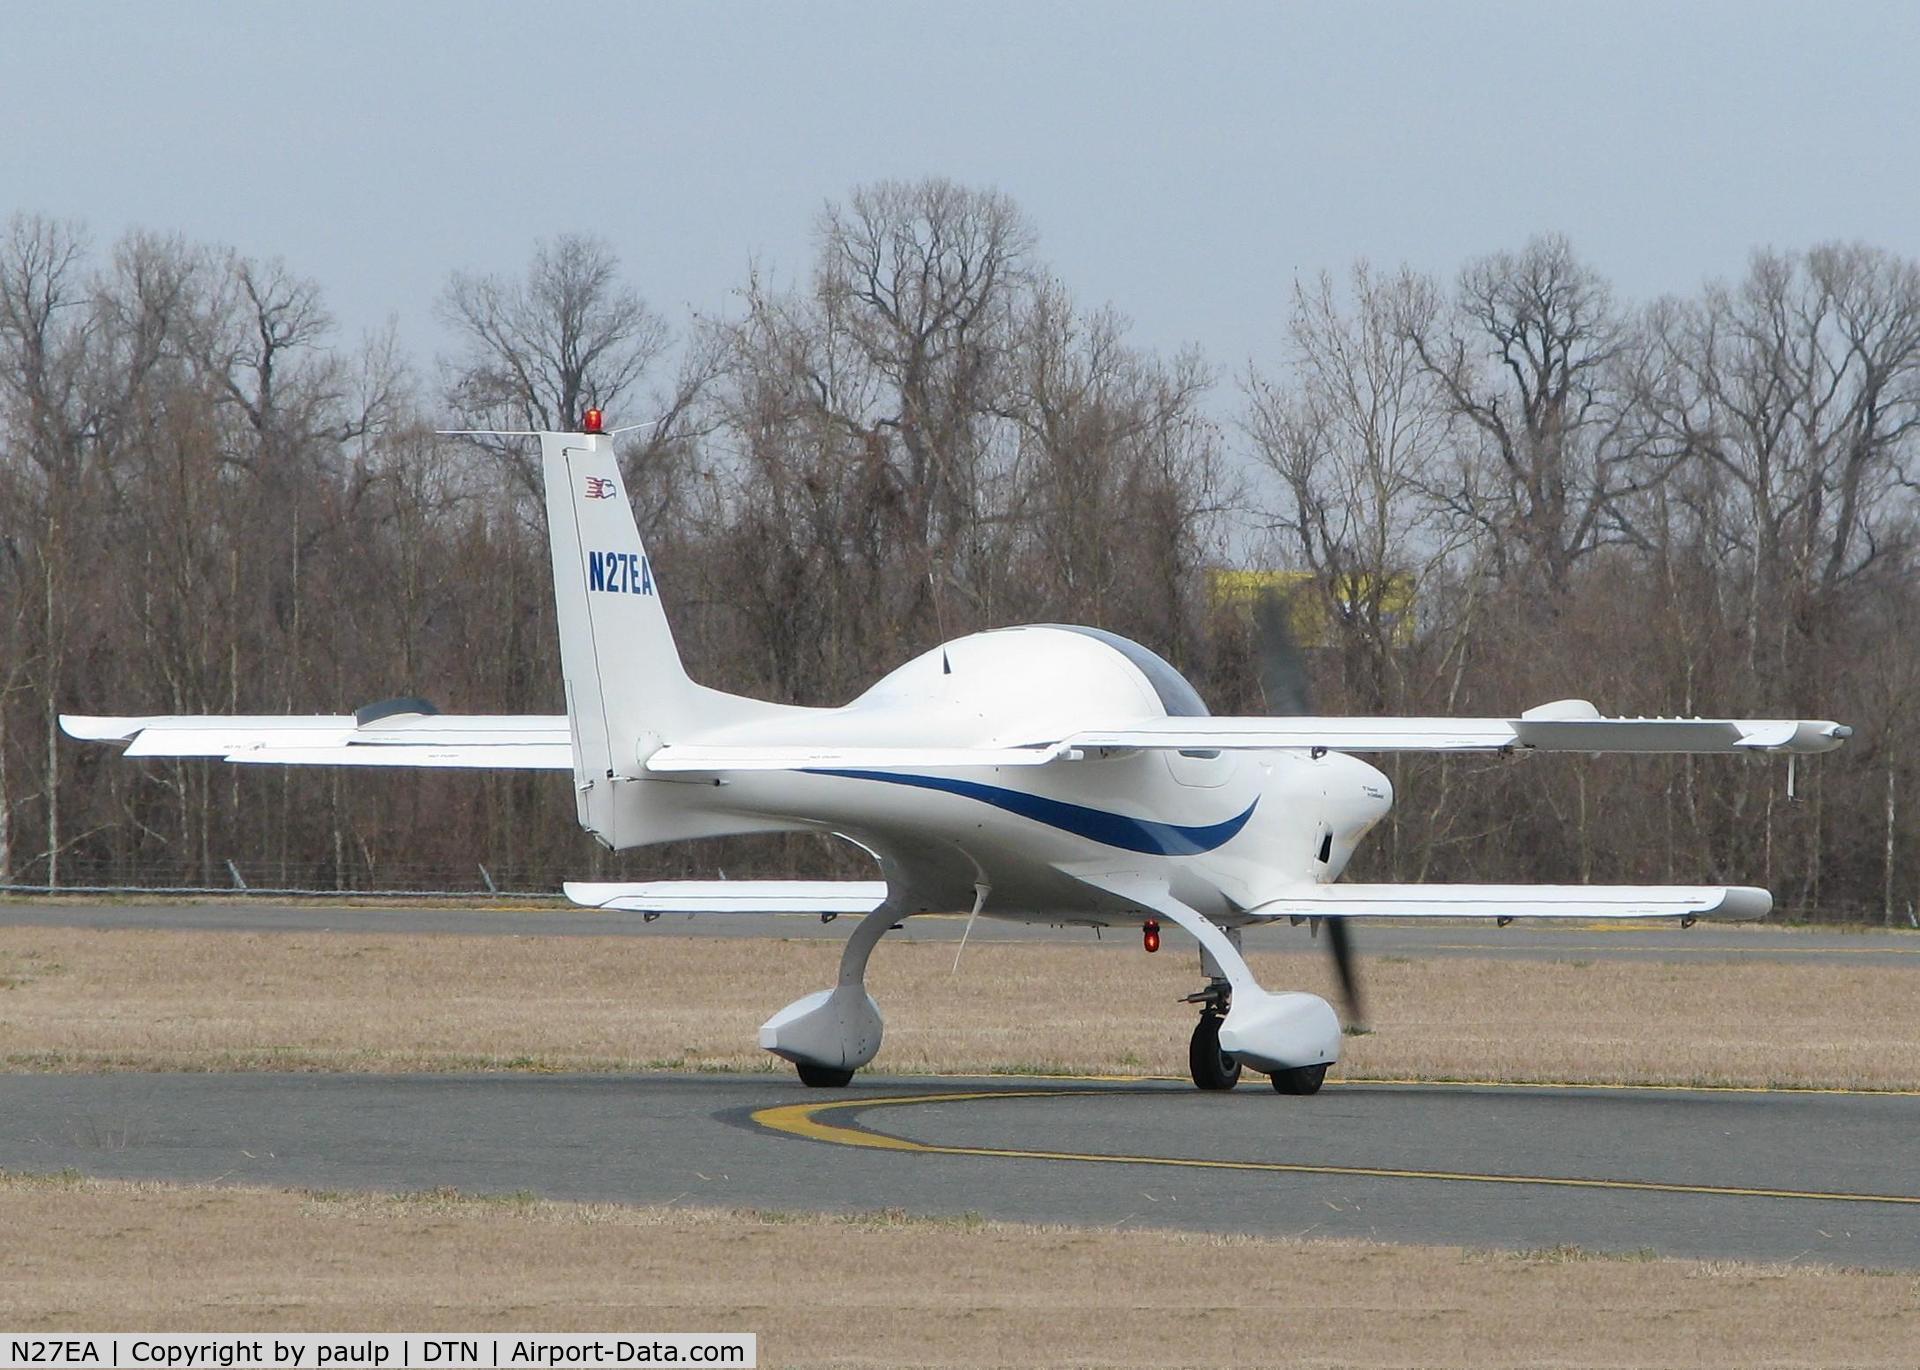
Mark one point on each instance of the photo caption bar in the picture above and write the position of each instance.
(374, 1350)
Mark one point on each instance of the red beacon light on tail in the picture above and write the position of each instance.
(592, 421)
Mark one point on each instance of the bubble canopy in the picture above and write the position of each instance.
(1177, 695)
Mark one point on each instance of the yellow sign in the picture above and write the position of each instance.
(1314, 613)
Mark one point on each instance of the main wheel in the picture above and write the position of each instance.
(823, 1077)
(1212, 1068)
(1300, 1080)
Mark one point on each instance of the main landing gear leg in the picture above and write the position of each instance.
(831, 1034)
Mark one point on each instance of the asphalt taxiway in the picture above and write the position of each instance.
(1832, 1177)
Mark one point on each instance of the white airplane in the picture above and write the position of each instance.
(1047, 774)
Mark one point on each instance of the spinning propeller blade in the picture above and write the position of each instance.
(1340, 943)
(1283, 679)
(1282, 666)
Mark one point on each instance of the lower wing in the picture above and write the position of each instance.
(1724, 902)
(733, 896)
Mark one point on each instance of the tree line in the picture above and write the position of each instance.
(1489, 491)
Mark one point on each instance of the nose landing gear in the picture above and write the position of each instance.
(1290, 1036)
(1211, 1067)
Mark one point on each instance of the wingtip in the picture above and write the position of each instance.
(1744, 903)
(1819, 735)
(100, 727)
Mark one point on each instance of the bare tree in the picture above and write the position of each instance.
(862, 414)
(816, 520)
(47, 325)
(1528, 357)
(1356, 436)
(16, 664)
(539, 350)
(1799, 391)
(924, 278)
(1117, 472)
(261, 338)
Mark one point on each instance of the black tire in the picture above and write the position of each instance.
(1300, 1080)
(1211, 1067)
(824, 1077)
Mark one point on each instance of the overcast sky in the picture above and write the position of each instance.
(1182, 162)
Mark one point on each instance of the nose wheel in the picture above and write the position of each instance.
(1211, 1067)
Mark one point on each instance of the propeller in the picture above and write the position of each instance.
(1281, 664)
(1340, 943)
(1289, 694)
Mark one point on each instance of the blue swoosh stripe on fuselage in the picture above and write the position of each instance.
(1110, 829)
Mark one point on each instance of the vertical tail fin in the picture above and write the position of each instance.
(626, 689)
(627, 693)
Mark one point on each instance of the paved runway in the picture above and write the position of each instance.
(1524, 940)
(1827, 1177)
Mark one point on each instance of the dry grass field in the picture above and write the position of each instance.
(73, 999)
(888, 1290)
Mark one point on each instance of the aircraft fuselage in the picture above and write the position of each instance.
(1227, 829)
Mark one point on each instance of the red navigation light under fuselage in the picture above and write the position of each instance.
(590, 421)
(1150, 935)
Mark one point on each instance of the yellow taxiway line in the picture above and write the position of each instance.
(1843, 1091)
(806, 1120)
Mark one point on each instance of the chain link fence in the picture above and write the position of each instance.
(476, 880)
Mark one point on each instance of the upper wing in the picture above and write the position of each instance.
(1571, 725)
(694, 756)
(733, 896)
(505, 741)
(1519, 901)
(386, 735)
(1567, 726)
(369, 738)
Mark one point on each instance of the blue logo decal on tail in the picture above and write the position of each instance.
(620, 573)
(1110, 829)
